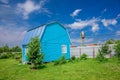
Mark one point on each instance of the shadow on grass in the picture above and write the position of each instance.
(3, 78)
(41, 67)
(37, 67)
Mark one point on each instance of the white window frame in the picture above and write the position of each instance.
(64, 49)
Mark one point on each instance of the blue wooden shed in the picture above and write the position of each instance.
(54, 40)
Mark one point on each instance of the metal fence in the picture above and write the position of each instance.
(91, 51)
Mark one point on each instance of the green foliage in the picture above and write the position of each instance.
(34, 54)
(16, 49)
(1, 50)
(111, 41)
(6, 48)
(60, 61)
(5, 55)
(117, 41)
(83, 56)
(117, 49)
(100, 57)
(18, 57)
(73, 58)
(102, 52)
(105, 49)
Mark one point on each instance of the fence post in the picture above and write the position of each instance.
(80, 51)
(93, 53)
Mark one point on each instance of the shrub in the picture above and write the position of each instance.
(11, 55)
(117, 49)
(104, 50)
(56, 62)
(60, 61)
(18, 57)
(83, 56)
(100, 57)
(73, 58)
(5, 55)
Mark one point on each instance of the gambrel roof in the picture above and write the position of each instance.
(38, 31)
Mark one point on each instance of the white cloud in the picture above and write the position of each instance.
(89, 40)
(95, 27)
(4, 1)
(28, 7)
(77, 41)
(80, 24)
(118, 33)
(107, 22)
(76, 12)
(74, 41)
(12, 34)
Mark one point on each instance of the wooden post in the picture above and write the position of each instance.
(93, 53)
(80, 51)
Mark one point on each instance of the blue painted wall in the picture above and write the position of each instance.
(24, 56)
(52, 39)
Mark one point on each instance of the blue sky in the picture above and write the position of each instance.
(99, 19)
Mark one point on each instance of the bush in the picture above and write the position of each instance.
(73, 58)
(100, 57)
(60, 61)
(18, 57)
(104, 50)
(83, 56)
(5, 55)
(117, 49)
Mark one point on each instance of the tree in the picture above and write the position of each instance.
(111, 41)
(104, 50)
(117, 49)
(34, 54)
(117, 41)
(16, 49)
(6, 48)
(1, 50)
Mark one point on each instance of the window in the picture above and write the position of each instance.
(64, 48)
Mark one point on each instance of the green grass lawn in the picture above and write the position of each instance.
(89, 69)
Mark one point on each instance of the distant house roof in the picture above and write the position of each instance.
(73, 46)
(91, 45)
(37, 31)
